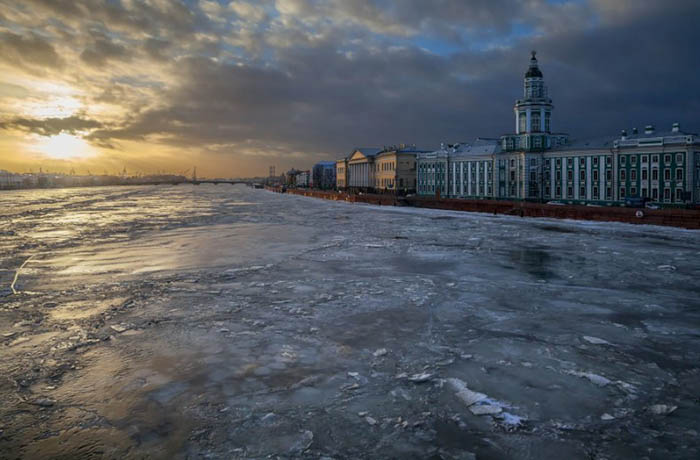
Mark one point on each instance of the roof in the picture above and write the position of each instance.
(368, 151)
(534, 70)
(480, 146)
(325, 163)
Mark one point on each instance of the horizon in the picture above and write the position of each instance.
(235, 87)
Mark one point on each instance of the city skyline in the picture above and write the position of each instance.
(234, 87)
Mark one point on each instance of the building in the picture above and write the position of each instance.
(536, 164)
(304, 179)
(395, 169)
(341, 174)
(324, 173)
(361, 169)
(290, 177)
(431, 172)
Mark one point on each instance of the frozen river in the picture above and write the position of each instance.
(228, 322)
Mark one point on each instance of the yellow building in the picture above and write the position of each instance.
(395, 170)
(341, 174)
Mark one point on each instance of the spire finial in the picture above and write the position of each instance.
(534, 54)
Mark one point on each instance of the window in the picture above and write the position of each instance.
(595, 193)
(645, 159)
(667, 194)
(582, 193)
(570, 192)
(645, 174)
(645, 193)
(558, 191)
(595, 175)
(679, 174)
(654, 174)
(623, 160)
(558, 162)
(582, 174)
(654, 158)
(608, 161)
(608, 175)
(667, 160)
(608, 193)
(623, 175)
(633, 191)
(633, 160)
(570, 175)
(679, 158)
(633, 175)
(547, 190)
(622, 192)
(679, 194)
(582, 162)
(655, 194)
(667, 174)
(595, 161)
(533, 162)
(533, 176)
(512, 176)
(512, 163)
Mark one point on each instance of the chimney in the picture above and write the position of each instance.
(634, 131)
(676, 128)
(649, 129)
(623, 134)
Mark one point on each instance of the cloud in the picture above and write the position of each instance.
(30, 50)
(51, 126)
(289, 78)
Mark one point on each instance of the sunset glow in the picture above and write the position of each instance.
(64, 146)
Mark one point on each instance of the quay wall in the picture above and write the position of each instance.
(672, 217)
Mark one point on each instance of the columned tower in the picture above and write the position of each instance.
(533, 115)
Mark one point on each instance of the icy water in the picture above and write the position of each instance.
(228, 322)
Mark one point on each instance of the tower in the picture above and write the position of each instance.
(533, 113)
(533, 116)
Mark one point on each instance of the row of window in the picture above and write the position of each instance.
(387, 166)
(654, 159)
(654, 174)
(667, 194)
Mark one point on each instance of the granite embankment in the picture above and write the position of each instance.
(672, 217)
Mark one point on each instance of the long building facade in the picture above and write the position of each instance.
(536, 164)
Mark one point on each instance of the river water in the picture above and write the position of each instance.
(229, 322)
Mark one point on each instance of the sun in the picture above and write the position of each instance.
(64, 146)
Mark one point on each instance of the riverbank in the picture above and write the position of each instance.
(683, 218)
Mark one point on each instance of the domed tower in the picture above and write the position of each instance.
(533, 113)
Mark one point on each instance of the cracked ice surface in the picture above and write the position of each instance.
(227, 322)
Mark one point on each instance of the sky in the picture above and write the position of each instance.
(233, 87)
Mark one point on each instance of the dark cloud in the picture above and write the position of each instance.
(51, 126)
(30, 50)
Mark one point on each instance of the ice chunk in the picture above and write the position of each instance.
(370, 420)
(380, 352)
(420, 378)
(662, 409)
(467, 396)
(485, 409)
(606, 417)
(594, 378)
(303, 443)
(666, 268)
(595, 340)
